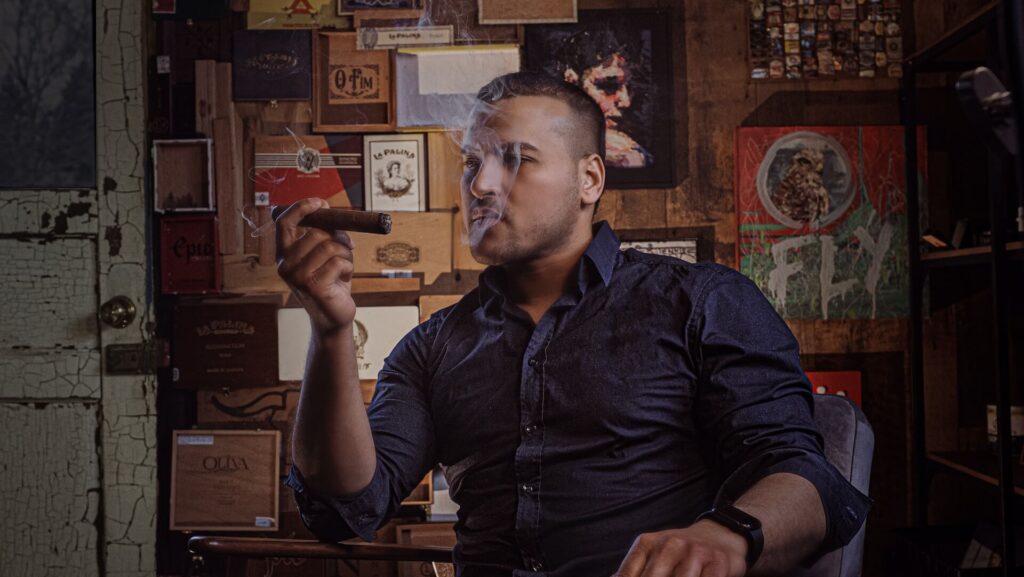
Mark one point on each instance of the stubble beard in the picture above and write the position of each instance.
(531, 240)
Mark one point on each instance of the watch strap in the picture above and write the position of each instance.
(742, 523)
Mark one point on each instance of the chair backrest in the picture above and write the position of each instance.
(849, 445)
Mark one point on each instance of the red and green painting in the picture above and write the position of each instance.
(822, 219)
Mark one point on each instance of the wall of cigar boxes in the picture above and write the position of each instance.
(261, 102)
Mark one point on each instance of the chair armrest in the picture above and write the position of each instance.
(260, 547)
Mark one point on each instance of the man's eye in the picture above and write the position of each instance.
(470, 163)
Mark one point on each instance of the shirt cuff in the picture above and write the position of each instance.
(340, 517)
(845, 507)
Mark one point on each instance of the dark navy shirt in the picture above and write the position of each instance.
(653, 390)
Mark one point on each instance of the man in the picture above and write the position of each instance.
(587, 405)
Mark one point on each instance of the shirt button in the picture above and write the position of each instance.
(529, 429)
(536, 566)
(533, 362)
(528, 489)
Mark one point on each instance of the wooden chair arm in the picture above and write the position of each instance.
(260, 547)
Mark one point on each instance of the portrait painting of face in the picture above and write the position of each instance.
(623, 64)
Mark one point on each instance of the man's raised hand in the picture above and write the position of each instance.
(317, 266)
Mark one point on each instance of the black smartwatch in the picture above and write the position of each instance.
(739, 522)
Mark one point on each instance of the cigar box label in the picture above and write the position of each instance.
(232, 484)
(189, 255)
(226, 345)
(398, 254)
(272, 65)
(195, 440)
(330, 167)
(352, 84)
(372, 38)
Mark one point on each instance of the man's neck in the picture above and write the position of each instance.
(540, 282)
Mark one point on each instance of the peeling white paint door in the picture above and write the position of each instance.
(77, 446)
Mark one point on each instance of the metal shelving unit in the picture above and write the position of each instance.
(1006, 52)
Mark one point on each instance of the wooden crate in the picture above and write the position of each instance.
(419, 242)
(430, 534)
(225, 480)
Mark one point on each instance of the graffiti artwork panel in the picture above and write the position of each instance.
(822, 217)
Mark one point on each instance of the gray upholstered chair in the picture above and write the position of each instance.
(849, 446)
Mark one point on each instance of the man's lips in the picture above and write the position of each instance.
(485, 214)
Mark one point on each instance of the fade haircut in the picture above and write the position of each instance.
(587, 132)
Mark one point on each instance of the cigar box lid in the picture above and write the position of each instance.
(225, 345)
(225, 480)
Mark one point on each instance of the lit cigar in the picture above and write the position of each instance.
(340, 219)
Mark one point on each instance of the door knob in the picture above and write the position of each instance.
(118, 312)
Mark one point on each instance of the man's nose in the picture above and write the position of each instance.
(490, 177)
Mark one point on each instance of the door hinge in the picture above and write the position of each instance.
(138, 358)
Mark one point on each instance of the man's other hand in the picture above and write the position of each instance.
(704, 549)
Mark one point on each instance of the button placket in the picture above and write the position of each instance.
(527, 456)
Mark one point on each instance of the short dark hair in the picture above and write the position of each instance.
(588, 120)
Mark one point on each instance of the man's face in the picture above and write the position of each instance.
(520, 184)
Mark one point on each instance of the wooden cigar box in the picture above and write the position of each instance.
(423, 534)
(351, 88)
(225, 345)
(183, 175)
(377, 330)
(252, 406)
(224, 480)
(189, 255)
(419, 242)
(430, 304)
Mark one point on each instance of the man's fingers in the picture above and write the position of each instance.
(334, 269)
(312, 259)
(343, 237)
(636, 559)
(287, 224)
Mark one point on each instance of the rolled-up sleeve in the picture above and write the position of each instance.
(403, 436)
(755, 402)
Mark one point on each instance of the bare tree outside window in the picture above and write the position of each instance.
(47, 94)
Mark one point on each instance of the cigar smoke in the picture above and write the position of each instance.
(490, 166)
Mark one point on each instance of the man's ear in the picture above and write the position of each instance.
(592, 175)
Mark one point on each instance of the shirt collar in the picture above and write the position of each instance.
(599, 259)
(602, 252)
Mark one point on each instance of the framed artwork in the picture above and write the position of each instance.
(821, 213)
(527, 11)
(48, 84)
(688, 243)
(622, 59)
(394, 173)
(351, 87)
(829, 39)
(272, 65)
(685, 249)
(843, 383)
